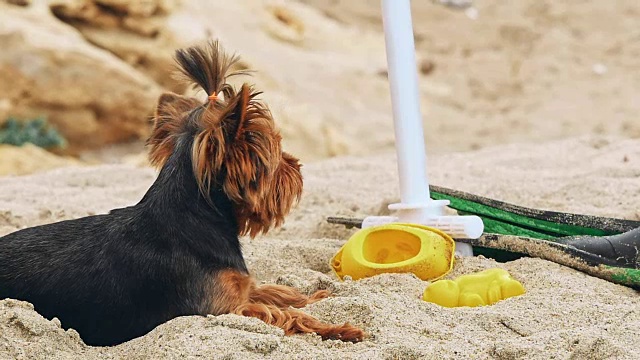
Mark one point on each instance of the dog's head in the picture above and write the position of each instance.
(236, 147)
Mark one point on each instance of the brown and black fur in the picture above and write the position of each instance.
(223, 174)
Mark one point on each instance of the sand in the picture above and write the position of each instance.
(501, 84)
(565, 314)
(518, 71)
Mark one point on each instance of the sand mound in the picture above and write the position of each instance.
(565, 313)
(26, 159)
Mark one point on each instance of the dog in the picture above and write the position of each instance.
(222, 175)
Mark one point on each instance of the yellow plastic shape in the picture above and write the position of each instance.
(395, 248)
(483, 288)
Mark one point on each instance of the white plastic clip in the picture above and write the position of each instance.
(416, 206)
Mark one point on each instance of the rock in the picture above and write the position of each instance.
(135, 31)
(113, 13)
(295, 42)
(19, 2)
(84, 12)
(91, 96)
(5, 109)
(284, 25)
(142, 8)
(27, 159)
(152, 56)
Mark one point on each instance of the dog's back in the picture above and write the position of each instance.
(112, 277)
(58, 267)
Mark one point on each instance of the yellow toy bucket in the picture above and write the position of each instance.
(396, 248)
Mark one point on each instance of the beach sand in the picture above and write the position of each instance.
(542, 95)
(565, 314)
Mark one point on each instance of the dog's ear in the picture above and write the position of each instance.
(264, 181)
(170, 103)
(243, 113)
(285, 190)
(251, 145)
(168, 121)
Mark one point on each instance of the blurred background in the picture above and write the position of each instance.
(79, 78)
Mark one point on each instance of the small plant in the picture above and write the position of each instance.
(36, 131)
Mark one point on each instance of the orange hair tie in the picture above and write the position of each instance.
(213, 97)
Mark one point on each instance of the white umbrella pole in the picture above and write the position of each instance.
(416, 205)
(405, 101)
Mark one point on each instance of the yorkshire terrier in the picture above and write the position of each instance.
(223, 174)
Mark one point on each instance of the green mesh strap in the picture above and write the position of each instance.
(515, 246)
(624, 276)
(494, 226)
(500, 221)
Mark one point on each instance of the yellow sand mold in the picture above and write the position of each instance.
(483, 288)
(396, 248)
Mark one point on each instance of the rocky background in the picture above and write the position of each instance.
(492, 72)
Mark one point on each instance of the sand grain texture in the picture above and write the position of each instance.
(565, 314)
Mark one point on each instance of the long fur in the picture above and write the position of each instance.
(208, 68)
(169, 124)
(116, 276)
(236, 140)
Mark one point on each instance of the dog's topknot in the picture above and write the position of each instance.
(208, 68)
(235, 144)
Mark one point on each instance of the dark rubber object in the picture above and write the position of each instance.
(623, 248)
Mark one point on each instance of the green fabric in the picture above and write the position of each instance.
(499, 221)
(506, 223)
(625, 276)
(504, 228)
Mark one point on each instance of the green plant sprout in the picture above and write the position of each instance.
(36, 131)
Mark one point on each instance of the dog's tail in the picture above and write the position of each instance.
(209, 68)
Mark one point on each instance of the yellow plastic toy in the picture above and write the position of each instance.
(483, 288)
(396, 248)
